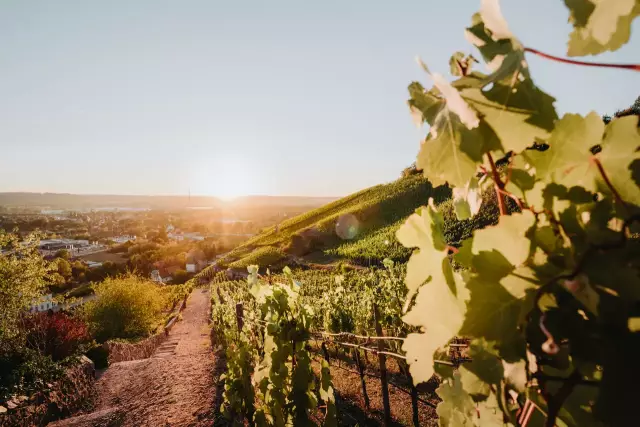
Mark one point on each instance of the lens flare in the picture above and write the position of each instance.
(347, 227)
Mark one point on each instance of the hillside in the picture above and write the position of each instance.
(335, 230)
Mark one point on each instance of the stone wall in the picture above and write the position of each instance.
(124, 351)
(65, 397)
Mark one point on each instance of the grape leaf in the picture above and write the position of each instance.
(494, 21)
(458, 409)
(600, 26)
(484, 370)
(424, 231)
(452, 153)
(517, 111)
(467, 200)
(440, 313)
(507, 237)
(619, 150)
(497, 304)
(570, 162)
(567, 161)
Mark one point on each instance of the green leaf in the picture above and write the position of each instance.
(507, 237)
(517, 111)
(619, 151)
(440, 314)
(467, 200)
(484, 370)
(497, 305)
(570, 162)
(424, 231)
(457, 408)
(600, 26)
(567, 161)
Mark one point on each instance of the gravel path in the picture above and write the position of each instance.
(175, 386)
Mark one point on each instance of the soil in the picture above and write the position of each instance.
(175, 386)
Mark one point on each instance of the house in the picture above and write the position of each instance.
(93, 264)
(123, 239)
(156, 277)
(44, 303)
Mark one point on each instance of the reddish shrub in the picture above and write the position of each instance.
(56, 334)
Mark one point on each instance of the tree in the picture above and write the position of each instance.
(125, 307)
(63, 253)
(64, 268)
(22, 280)
(180, 277)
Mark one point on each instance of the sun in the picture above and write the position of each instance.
(226, 179)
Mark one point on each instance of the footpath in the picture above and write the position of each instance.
(174, 387)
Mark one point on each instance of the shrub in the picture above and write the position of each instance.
(99, 355)
(25, 370)
(126, 307)
(56, 334)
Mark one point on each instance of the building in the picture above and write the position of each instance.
(44, 303)
(93, 264)
(123, 239)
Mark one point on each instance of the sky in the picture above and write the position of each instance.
(228, 98)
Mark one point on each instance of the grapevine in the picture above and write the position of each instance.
(550, 294)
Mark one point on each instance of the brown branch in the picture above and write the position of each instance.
(498, 185)
(555, 402)
(604, 176)
(633, 67)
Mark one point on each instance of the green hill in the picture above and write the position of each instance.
(334, 228)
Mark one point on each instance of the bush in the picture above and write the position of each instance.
(56, 334)
(127, 307)
(99, 356)
(25, 370)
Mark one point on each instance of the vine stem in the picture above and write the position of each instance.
(633, 67)
(498, 184)
(605, 178)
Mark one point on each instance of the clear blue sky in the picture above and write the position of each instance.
(275, 97)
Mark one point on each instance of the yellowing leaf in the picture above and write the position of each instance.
(599, 25)
(507, 237)
(493, 19)
(455, 103)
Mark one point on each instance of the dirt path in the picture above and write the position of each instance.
(172, 388)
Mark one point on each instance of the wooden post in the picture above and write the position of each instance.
(325, 352)
(362, 380)
(382, 359)
(414, 403)
(240, 316)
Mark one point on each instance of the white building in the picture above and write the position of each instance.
(44, 303)
(123, 239)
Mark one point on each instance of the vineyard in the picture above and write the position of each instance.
(510, 297)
